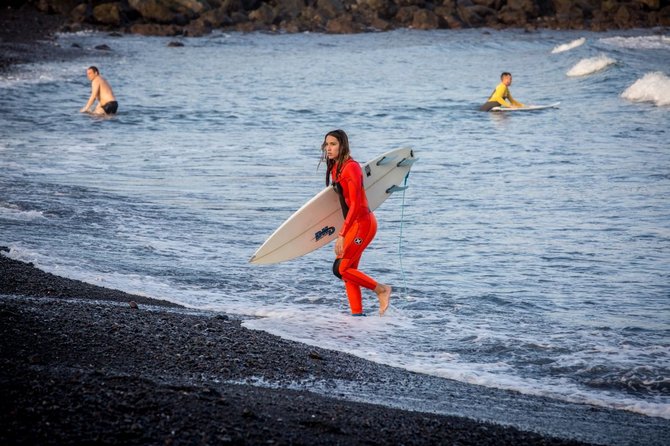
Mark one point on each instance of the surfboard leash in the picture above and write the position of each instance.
(402, 217)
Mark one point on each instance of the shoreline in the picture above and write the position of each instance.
(26, 36)
(81, 364)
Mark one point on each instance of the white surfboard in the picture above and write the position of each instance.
(526, 107)
(318, 221)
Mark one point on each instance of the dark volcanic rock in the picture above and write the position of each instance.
(199, 17)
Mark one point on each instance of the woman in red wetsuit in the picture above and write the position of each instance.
(360, 224)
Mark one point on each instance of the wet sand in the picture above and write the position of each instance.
(80, 364)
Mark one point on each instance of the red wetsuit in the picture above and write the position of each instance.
(360, 227)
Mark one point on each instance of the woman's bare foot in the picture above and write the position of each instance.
(384, 296)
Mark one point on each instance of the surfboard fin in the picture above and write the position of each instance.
(407, 162)
(385, 160)
(395, 188)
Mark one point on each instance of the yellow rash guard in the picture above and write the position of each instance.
(500, 94)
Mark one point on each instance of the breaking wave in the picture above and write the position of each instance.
(568, 46)
(652, 87)
(591, 65)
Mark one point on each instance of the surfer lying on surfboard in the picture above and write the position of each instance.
(501, 95)
(360, 224)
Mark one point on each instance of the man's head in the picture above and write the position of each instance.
(92, 72)
(506, 78)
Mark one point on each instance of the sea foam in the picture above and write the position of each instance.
(13, 212)
(568, 46)
(652, 87)
(591, 65)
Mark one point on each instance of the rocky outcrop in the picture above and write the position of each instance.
(199, 17)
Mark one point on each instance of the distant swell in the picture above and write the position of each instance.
(652, 87)
(568, 46)
(640, 42)
(591, 65)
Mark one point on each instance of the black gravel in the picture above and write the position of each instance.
(27, 35)
(79, 364)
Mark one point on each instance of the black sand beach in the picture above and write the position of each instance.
(81, 364)
(84, 364)
(28, 36)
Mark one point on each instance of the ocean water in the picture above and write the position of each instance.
(531, 251)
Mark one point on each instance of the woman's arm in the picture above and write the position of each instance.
(351, 179)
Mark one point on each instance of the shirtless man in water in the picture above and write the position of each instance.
(102, 91)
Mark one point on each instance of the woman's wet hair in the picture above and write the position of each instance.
(343, 139)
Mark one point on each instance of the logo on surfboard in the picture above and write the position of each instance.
(325, 232)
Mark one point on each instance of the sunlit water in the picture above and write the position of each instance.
(532, 251)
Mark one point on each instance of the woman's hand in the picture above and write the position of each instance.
(339, 245)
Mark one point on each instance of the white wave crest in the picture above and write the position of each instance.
(591, 65)
(568, 46)
(652, 87)
(13, 212)
(640, 42)
(39, 73)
